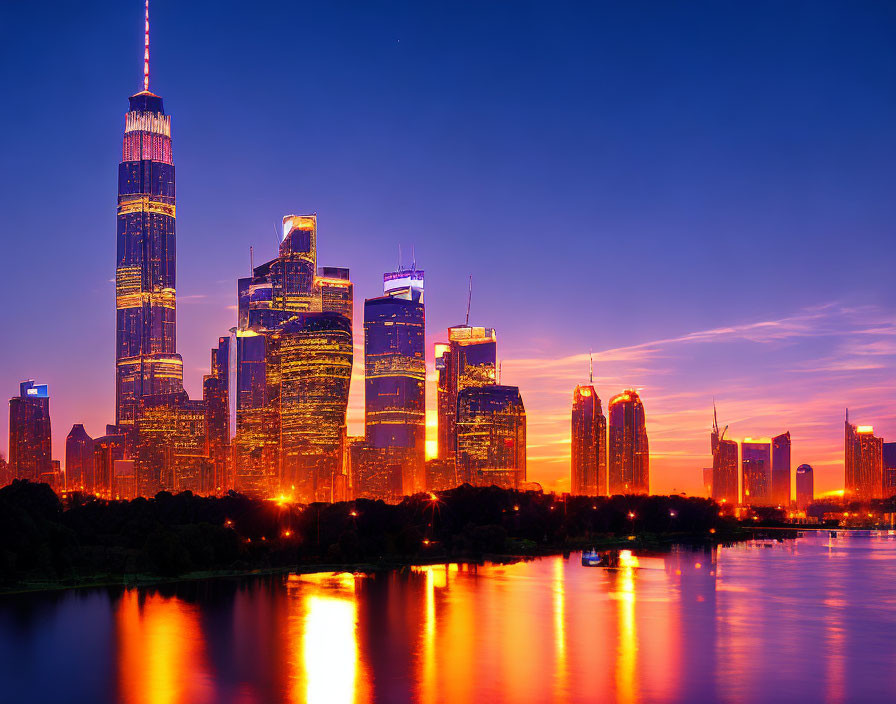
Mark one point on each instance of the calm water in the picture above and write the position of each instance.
(807, 620)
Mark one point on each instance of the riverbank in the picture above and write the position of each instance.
(89, 542)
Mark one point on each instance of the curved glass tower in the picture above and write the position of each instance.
(145, 342)
(589, 444)
(629, 456)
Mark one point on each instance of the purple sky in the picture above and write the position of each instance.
(701, 193)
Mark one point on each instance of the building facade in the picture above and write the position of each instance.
(629, 454)
(491, 436)
(78, 459)
(725, 489)
(588, 444)
(756, 472)
(468, 359)
(395, 377)
(889, 469)
(30, 441)
(781, 470)
(805, 486)
(863, 452)
(216, 397)
(147, 363)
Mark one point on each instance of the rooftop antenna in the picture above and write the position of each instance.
(715, 417)
(399, 256)
(146, 50)
(591, 366)
(413, 257)
(469, 301)
(251, 261)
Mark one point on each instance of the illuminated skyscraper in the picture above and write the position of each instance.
(78, 459)
(30, 444)
(315, 358)
(216, 397)
(491, 436)
(805, 486)
(145, 347)
(107, 450)
(629, 455)
(724, 465)
(334, 291)
(781, 470)
(889, 469)
(863, 463)
(169, 437)
(395, 376)
(469, 359)
(589, 444)
(757, 472)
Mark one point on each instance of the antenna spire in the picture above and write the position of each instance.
(469, 301)
(715, 418)
(591, 366)
(146, 50)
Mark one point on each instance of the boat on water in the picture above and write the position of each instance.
(609, 559)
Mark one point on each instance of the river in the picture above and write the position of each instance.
(804, 620)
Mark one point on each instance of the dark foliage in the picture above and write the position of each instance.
(89, 539)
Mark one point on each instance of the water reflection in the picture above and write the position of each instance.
(810, 619)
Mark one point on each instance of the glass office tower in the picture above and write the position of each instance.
(589, 444)
(805, 486)
(491, 436)
(145, 348)
(30, 443)
(756, 472)
(78, 459)
(863, 463)
(781, 470)
(629, 455)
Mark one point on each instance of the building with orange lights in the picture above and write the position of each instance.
(889, 469)
(863, 463)
(216, 397)
(629, 454)
(491, 436)
(781, 470)
(468, 359)
(805, 486)
(78, 458)
(30, 440)
(756, 472)
(395, 377)
(589, 444)
(725, 489)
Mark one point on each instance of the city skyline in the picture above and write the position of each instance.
(836, 342)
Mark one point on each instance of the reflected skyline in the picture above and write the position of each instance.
(685, 626)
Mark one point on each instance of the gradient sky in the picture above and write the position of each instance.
(701, 192)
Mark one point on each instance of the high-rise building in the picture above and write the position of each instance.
(724, 465)
(107, 450)
(863, 463)
(216, 397)
(395, 376)
(78, 459)
(469, 359)
(315, 357)
(30, 444)
(707, 481)
(889, 469)
(629, 455)
(491, 436)
(169, 436)
(334, 291)
(147, 363)
(589, 444)
(6, 475)
(781, 470)
(805, 486)
(756, 465)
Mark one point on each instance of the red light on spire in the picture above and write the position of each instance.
(146, 51)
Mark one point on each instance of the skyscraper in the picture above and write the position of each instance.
(629, 455)
(469, 359)
(147, 363)
(781, 470)
(491, 436)
(30, 444)
(724, 465)
(78, 459)
(889, 469)
(315, 358)
(395, 376)
(589, 444)
(805, 486)
(863, 463)
(216, 397)
(757, 471)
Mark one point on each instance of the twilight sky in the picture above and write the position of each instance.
(701, 192)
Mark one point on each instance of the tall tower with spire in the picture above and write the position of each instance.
(588, 452)
(145, 342)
